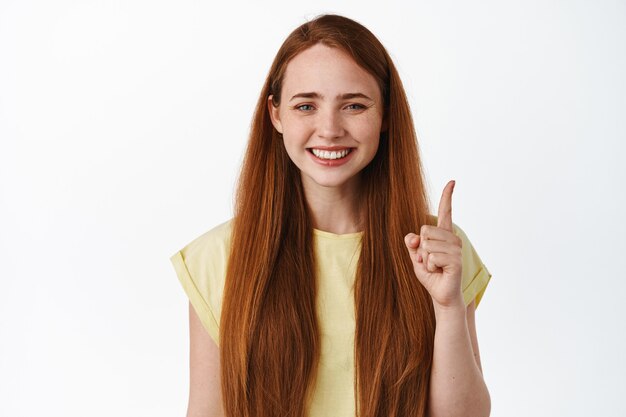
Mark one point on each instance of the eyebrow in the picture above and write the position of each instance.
(345, 96)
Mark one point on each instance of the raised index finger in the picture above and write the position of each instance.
(444, 217)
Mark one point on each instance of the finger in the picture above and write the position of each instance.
(444, 218)
(429, 232)
(421, 254)
(421, 270)
(438, 246)
(412, 242)
(431, 264)
(440, 260)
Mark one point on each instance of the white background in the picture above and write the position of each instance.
(123, 125)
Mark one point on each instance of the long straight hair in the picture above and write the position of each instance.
(269, 335)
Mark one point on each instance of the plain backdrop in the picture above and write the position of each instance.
(122, 130)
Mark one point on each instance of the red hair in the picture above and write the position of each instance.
(269, 338)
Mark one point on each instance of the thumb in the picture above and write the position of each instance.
(412, 242)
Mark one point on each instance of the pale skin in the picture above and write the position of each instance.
(329, 119)
(457, 387)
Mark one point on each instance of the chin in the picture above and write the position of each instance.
(327, 182)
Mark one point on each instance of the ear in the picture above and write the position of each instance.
(274, 114)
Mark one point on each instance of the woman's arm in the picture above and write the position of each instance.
(205, 393)
(457, 387)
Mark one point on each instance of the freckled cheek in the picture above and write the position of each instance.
(366, 130)
(297, 128)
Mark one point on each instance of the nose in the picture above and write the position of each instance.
(330, 125)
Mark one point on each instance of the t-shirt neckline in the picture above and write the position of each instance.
(330, 235)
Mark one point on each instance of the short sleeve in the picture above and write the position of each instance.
(201, 269)
(476, 276)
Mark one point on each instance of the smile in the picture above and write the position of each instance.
(323, 154)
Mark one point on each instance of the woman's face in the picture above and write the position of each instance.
(330, 116)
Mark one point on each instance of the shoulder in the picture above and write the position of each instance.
(218, 235)
(201, 268)
(202, 262)
(209, 244)
(206, 256)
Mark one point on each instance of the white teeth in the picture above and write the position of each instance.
(330, 155)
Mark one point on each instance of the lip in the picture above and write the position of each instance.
(331, 162)
(330, 148)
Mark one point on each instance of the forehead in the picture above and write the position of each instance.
(328, 71)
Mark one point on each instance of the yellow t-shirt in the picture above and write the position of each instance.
(201, 269)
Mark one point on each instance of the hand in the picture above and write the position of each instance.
(436, 256)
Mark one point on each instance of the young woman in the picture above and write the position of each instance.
(333, 291)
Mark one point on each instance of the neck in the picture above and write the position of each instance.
(334, 209)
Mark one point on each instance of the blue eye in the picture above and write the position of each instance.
(300, 107)
(358, 106)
